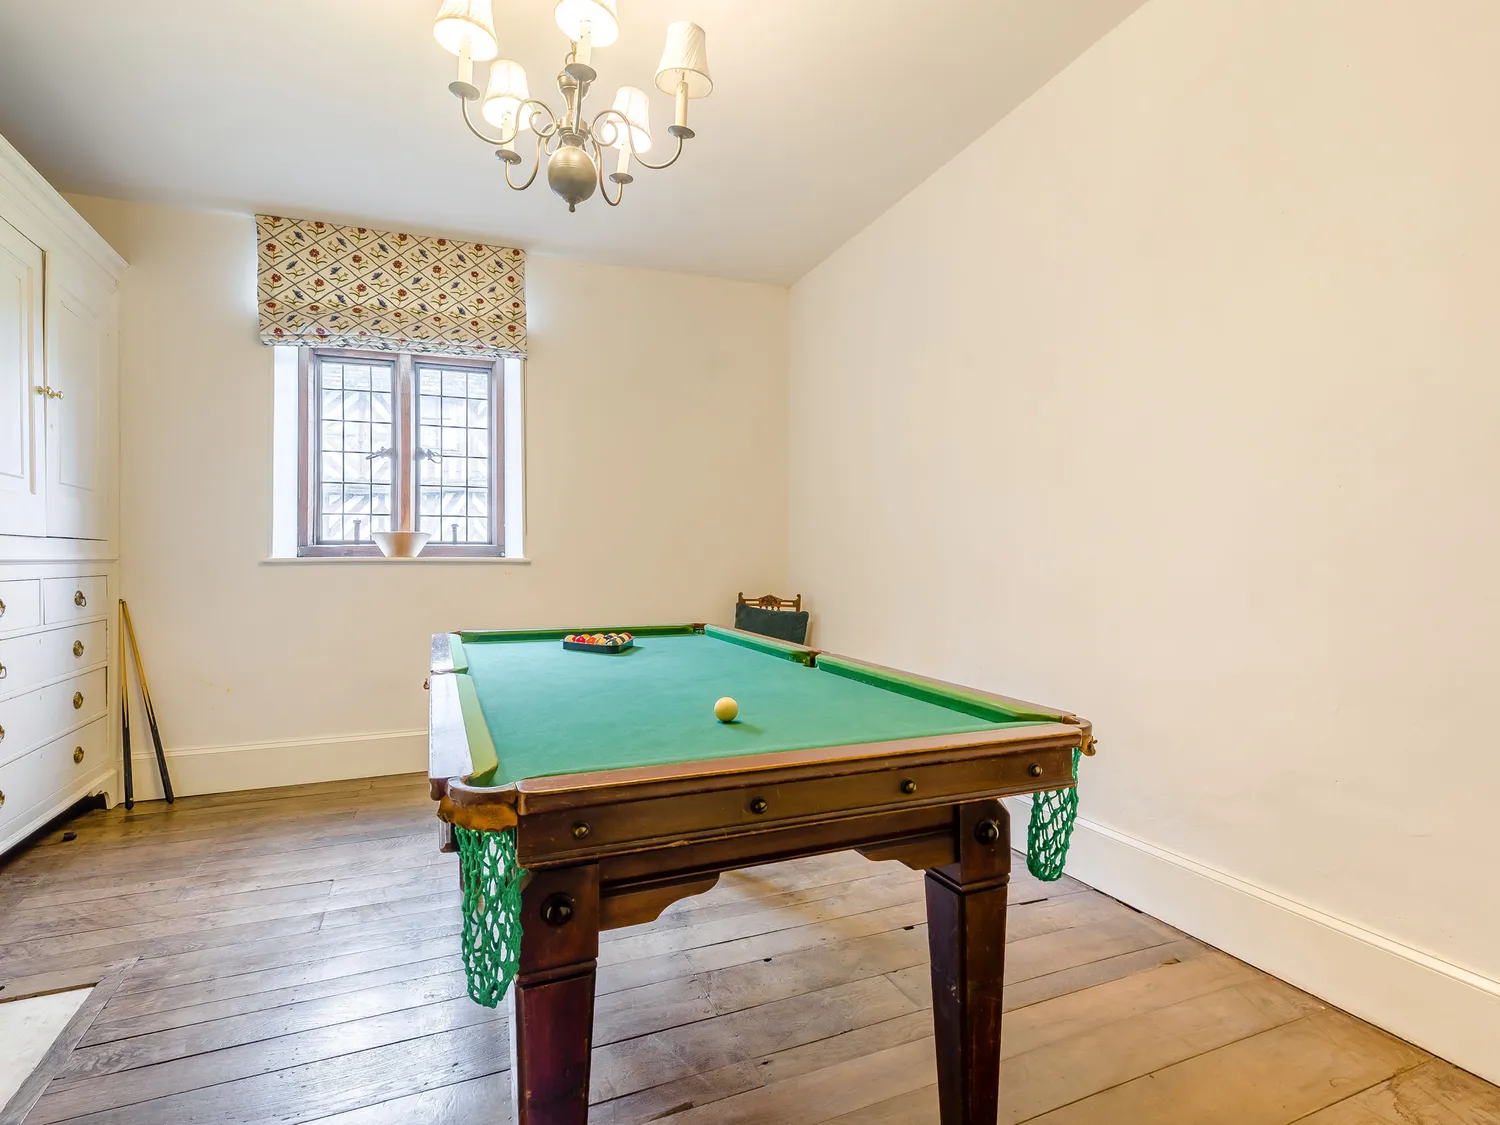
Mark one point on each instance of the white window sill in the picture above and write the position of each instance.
(450, 560)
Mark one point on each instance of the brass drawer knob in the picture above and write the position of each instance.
(79, 600)
(759, 806)
(77, 754)
(580, 830)
(987, 832)
(1035, 770)
(77, 700)
(908, 787)
(77, 648)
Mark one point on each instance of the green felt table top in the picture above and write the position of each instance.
(547, 710)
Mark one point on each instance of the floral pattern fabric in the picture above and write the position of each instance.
(350, 287)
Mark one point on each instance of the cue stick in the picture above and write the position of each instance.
(124, 706)
(140, 674)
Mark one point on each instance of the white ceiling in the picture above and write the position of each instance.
(824, 113)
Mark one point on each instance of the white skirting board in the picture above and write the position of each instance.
(263, 765)
(1444, 1008)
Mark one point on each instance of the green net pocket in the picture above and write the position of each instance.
(1051, 829)
(491, 880)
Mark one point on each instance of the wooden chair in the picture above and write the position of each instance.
(770, 616)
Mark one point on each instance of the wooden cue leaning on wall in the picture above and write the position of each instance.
(124, 706)
(140, 674)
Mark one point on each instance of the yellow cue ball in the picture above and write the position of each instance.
(726, 709)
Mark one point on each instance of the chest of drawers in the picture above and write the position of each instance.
(56, 740)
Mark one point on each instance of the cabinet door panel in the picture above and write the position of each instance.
(78, 371)
(22, 498)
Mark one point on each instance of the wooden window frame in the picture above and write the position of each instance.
(404, 470)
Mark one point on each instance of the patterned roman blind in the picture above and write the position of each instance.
(349, 287)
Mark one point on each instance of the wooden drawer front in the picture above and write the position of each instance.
(70, 599)
(30, 659)
(660, 821)
(34, 778)
(20, 604)
(40, 716)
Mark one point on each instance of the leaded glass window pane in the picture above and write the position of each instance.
(355, 452)
(457, 469)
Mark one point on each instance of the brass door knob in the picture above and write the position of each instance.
(79, 600)
(77, 648)
(77, 754)
(77, 700)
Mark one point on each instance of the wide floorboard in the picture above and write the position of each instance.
(292, 956)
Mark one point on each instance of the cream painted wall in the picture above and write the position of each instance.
(656, 488)
(1173, 400)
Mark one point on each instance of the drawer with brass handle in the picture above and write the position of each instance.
(69, 599)
(20, 604)
(46, 713)
(35, 658)
(35, 782)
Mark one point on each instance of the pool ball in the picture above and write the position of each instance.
(726, 709)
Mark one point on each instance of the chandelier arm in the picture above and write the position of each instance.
(630, 137)
(599, 163)
(536, 166)
(541, 108)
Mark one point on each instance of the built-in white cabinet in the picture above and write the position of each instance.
(79, 402)
(23, 502)
(59, 483)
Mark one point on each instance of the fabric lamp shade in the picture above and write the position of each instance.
(471, 19)
(604, 25)
(507, 90)
(633, 105)
(685, 60)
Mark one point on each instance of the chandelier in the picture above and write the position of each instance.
(574, 146)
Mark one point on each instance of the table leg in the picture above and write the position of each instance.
(966, 935)
(552, 998)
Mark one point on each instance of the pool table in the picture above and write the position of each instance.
(626, 794)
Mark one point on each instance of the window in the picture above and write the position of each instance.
(393, 441)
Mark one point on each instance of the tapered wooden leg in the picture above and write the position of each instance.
(966, 935)
(552, 999)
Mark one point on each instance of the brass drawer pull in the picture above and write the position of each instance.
(759, 806)
(908, 787)
(77, 700)
(49, 392)
(580, 830)
(79, 600)
(77, 754)
(77, 648)
(1035, 770)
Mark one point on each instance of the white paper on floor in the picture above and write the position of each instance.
(27, 1028)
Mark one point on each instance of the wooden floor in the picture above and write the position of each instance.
(291, 955)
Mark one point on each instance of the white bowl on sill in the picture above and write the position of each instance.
(401, 544)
